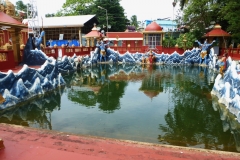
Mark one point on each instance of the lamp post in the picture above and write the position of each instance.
(106, 17)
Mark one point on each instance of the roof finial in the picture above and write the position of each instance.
(94, 27)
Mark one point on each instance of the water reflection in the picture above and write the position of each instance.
(34, 113)
(151, 103)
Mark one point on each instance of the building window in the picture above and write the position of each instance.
(152, 40)
(111, 44)
(69, 33)
(120, 42)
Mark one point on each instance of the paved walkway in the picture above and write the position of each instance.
(23, 143)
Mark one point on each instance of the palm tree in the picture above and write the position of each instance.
(134, 21)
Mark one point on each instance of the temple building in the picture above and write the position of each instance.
(92, 37)
(220, 36)
(149, 39)
(12, 34)
(66, 30)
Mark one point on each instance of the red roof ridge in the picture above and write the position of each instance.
(8, 20)
(217, 32)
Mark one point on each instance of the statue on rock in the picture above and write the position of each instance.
(102, 45)
(203, 55)
(150, 59)
(32, 54)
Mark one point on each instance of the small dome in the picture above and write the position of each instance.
(153, 27)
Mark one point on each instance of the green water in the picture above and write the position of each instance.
(156, 104)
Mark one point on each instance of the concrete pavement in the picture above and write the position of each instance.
(23, 143)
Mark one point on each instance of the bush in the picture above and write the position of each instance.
(190, 39)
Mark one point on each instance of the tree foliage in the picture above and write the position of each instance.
(76, 7)
(50, 15)
(200, 16)
(20, 6)
(196, 17)
(186, 40)
(169, 41)
(115, 12)
(182, 3)
(134, 21)
(230, 13)
(116, 17)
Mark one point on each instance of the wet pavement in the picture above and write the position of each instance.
(24, 143)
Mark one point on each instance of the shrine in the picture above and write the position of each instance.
(220, 36)
(13, 35)
(92, 37)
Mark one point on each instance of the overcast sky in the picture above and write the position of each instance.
(143, 9)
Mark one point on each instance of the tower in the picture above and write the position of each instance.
(33, 19)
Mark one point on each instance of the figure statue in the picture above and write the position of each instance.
(203, 55)
(102, 45)
(32, 55)
(222, 64)
(38, 40)
(150, 59)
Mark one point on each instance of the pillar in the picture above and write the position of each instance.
(87, 42)
(162, 35)
(92, 42)
(44, 40)
(80, 36)
(146, 43)
(15, 43)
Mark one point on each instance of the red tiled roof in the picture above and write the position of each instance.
(9, 21)
(94, 33)
(217, 32)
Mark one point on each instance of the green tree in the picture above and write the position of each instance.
(60, 13)
(116, 17)
(76, 7)
(21, 7)
(187, 39)
(230, 13)
(115, 12)
(169, 40)
(50, 15)
(182, 3)
(200, 16)
(196, 17)
(134, 21)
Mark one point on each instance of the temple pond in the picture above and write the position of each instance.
(148, 103)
